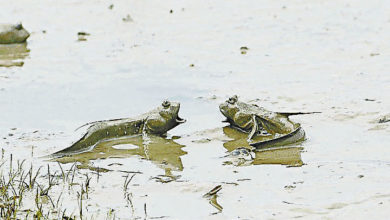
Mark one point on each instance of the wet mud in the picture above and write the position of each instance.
(286, 57)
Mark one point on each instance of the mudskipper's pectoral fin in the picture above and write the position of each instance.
(255, 128)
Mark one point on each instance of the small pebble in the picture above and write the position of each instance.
(244, 50)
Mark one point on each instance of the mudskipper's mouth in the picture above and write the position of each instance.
(180, 120)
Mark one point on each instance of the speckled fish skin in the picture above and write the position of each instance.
(13, 34)
(157, 122)
(258, 121)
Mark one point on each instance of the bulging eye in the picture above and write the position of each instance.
(19, 26)
(232, 100)
(166, 104)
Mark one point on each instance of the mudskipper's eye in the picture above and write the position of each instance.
(19, 27)
(232, 100)
(166, 104)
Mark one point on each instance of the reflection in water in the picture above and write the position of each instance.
(239, 139)
(286, 155)
(13, 54)
(165, 153)
(213, 201)
(290, 156)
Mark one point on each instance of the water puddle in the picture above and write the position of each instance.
(164, 153)
(289, 155)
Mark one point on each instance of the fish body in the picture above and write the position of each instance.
(157, 121)
(274, 128)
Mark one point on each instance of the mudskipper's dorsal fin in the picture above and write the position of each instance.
(296, 113)
(94, 122)
(89, 123)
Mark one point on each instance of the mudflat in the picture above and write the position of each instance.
(296, 56)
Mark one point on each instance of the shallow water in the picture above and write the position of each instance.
(303, 56)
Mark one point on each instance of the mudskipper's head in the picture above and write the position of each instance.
(236, 113)
(164, 118)
(11, 34)
(229, 108)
